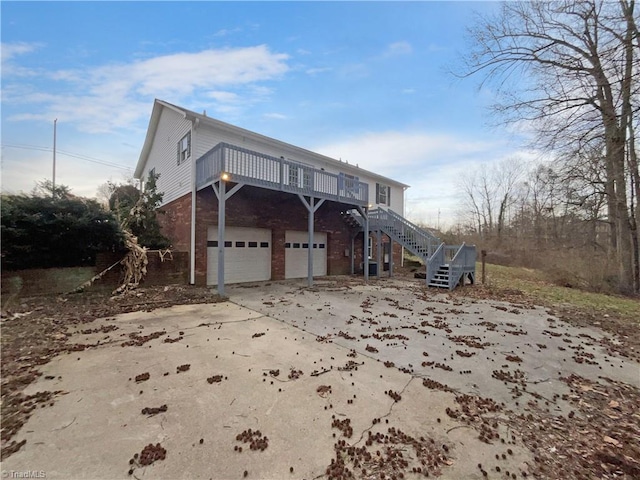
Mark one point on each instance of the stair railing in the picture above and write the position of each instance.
(411, 236)
(434, 262)
(464, 261)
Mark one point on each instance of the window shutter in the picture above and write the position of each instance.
(388, 195)
(377, 193)
(178, 153)
(188, 145)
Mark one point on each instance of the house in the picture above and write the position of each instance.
(249, 208)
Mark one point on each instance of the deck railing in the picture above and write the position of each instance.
(242, 165)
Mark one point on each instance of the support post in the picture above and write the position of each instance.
(353, 255)
(222, 197)
(483, 253)
(379, 252)
(53, 180)
(364, 211)
(310, 249)
(311, 208)
(390, 257)
(365, 250)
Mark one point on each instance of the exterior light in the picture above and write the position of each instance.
(225, 176)
(370, 206)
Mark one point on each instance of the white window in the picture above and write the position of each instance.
(184, 148)
(383, 194)
(370, 248)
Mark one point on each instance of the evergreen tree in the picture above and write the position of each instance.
(52, 228)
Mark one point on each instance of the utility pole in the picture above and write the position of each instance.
(53, 183)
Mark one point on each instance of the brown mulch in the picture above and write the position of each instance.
(36, 329)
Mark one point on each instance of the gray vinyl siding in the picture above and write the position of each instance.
(174, 180)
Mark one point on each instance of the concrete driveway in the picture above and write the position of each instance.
(344, 376)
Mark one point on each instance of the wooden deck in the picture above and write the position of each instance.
(240, 165)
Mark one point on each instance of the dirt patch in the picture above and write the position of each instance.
(36, 329)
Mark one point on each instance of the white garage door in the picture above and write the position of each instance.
(296, 250)
(247, 255)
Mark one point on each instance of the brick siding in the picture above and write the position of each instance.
(260, 208)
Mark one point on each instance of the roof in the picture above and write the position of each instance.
(158, 105)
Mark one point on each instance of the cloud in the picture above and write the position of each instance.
(389, 150)
(398, 48)
(111, 97)
(11, 50)
(431, 163)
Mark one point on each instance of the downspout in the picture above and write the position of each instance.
(192, 247)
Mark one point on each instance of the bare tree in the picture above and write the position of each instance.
(488, 193)
(471, 204)
(571, 69)
(507, 176)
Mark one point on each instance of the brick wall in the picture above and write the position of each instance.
(260, 208)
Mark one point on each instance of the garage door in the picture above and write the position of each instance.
(247, 255)
(296, 250)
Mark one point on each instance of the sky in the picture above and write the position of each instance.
(364, 82)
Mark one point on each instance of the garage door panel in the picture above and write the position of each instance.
(296, 254)
(247, 255)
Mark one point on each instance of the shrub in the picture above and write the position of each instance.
(59, 230)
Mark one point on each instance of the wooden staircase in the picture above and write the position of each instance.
(447, 265)
(441, 277)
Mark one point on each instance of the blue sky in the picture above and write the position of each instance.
(366, 82)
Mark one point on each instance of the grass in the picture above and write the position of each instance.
(533, 284)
